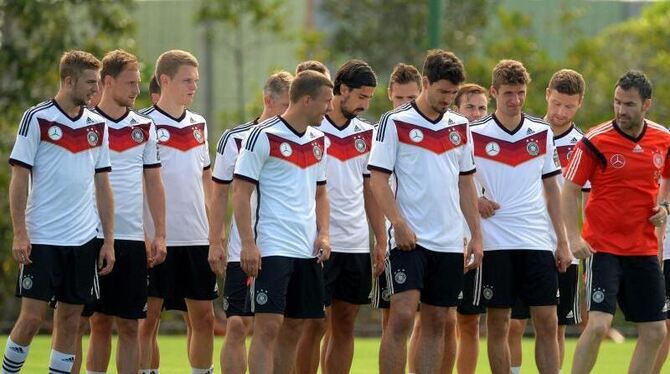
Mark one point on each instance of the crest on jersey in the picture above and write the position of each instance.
(261, 297)
(318, 152)
(533, 148)
(658, 160)
(55, 133)
(360, 145)
(487, 292)
(27, 283)
(386, 294)
(492, 149)
(138, 135)
(285, 149)
(92, 137)
(197, 134)
(598, 296)
(400, 277)
(163, 135)
(617, 161)
(416, 135)
(455, 137)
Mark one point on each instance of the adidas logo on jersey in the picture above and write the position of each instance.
(132, 121)
(89, 120)
(356, 128)
(574, 140)
(530, 131)
(450, 121)
(192, 120)
(637, 149)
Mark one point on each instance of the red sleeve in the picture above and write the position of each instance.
(583, 164)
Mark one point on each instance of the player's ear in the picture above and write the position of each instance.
(646, 105)
(493, 91)
(425, 83)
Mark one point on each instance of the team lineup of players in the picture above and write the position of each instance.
(119, 214)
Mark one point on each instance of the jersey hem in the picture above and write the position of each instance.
(553, 173)
(468, 172)
(379, 168)
(517, 248)
(104, 170)
(245, 178)
(186, 244)
(61, 244)
(15, 162)
(152, 166)
(222, 181)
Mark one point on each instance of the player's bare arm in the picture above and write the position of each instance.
(207, 188)
(105, 203)
(404, 237)
(18, 197)
(217, 225)
(156, 201)
(552, 192)
(250, 256)
(322, 244)
(571, 208)
(660, 211)
(376, 219)
(663, 192)
(468, 201)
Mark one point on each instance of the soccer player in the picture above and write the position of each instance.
(233, 354)
(425, 211)
(313, 65)
(404, 86)
(564, 97)
(348, 272)
(282, 159)
(517, 166)
(625, 159)
(134, 159)
(60, 164)
(185, 274)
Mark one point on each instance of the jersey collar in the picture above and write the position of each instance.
(73, 119)
(632, 139)
(436, 120)
(340, 128)
(181, 118)
(503, 128)
(566, 132)
(115, 120)
(294, 131)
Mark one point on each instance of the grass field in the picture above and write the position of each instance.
(613, 357)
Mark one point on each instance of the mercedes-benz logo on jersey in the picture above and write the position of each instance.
(492, 149)
(658, 160)
(360, 145)
(533, 148)
(598, 296)
(617, 161)
(163, 135)
(285, 149)
(137, 135)
(318, 153)
(55, 133)
(27, 282)
(400, 277)
(416, 135)
(261, 297)
(455, 137)
(197, 134)
(92, 137)
(487, 292)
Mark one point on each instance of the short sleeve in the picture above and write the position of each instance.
(255, 151)
(552, 164)
(206, 160)
(582, 166)
(384, 147)
(103, 163)
(466, 163)
(226, 156)
(366, 159)
(27, 141)
(151, 158)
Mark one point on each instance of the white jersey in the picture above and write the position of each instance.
(63, 154)
(510, 168)
(565, 143)
(132, 146)
(227, 152)
(287, 167)
(348, 152)
(426, 159)
(184, 154)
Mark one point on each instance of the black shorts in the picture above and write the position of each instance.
(438, 275)
(290, 286)
(235, 291)
(635, 282)
(61, 273)
(185, 274)
(568, 309)
(380, 295)
(471, 282)
(123, 292)
(508, 275)
(348, 277)
(666, 274)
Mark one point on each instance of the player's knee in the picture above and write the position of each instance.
(315, 327)
(468, 326)
(235, 329)
(29, 323)
(127, 328)
(268, 330)
(100, 324)
(653, 335)
(598, 328)
(401, 320)
(203, 321)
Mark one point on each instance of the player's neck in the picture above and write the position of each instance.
(558, 129)
(169, 106)
(509, 122)
(425, 108)
(336, 115)
(295, 120)
(110, 107)
(265, 115)
(66, 104)
(633, 131)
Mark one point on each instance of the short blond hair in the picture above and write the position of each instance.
(73, 63)
(115, 62)
(277, 84)
(308, 83)
(509, 72)
(169, 62)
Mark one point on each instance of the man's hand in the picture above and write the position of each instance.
(405, 238)
(659, 217)
(378, 258)
(217, 258)
(487, 208)
(473, 254)
(322, 248)
(580, 248)
(106, 258)
(158, 251)
(250, 259)
(563, 256)
(21, 249)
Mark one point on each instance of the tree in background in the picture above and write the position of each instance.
(33, 35)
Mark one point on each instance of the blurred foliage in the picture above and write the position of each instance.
(33, 36)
